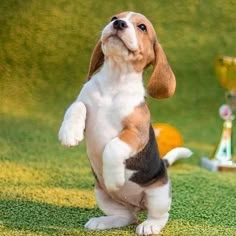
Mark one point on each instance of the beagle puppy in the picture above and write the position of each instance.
(112, 113)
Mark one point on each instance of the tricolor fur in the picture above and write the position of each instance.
(112, 113)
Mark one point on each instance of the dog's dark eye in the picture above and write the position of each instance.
(142, 27)
(114, 18)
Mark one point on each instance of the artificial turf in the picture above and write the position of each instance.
(45, 47)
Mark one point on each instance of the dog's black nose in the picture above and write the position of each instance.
(119, 25)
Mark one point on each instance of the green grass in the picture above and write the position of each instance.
(45, 47)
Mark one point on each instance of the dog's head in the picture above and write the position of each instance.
(130, 37)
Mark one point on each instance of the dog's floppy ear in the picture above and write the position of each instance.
(96, 60)
(162, 82)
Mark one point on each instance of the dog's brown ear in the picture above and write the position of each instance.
(96, 60)
(162, 82)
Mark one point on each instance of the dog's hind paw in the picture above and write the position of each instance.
(149, 227)
(108, 222)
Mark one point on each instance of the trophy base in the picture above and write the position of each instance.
(214, 165)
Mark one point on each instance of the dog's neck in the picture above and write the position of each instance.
(119, 77)
(117, 70)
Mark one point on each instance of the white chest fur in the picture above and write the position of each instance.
(109, 97)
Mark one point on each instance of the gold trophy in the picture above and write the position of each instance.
(223, 158)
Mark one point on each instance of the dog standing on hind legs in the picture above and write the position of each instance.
(112, 113)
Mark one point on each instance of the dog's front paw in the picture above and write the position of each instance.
(70, 134)
(72, 128)
(114, 156)
(114, 181)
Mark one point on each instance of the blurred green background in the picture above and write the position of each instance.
(45, 48)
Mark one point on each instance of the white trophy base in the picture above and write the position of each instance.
(214, 165)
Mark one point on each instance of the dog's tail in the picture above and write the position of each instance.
(176, 154)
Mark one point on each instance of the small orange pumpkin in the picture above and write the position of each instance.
(167, 137)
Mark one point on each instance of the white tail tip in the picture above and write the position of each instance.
(176, 154)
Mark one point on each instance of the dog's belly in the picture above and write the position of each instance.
(105, 113)
(98, 135)
(131, 196)
(101, 128)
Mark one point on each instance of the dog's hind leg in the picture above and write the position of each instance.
(158, 204)
(116, 215)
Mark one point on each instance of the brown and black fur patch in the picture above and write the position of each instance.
(148, 165)
(136, 128)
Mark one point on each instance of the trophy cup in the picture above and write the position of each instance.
(222, 158)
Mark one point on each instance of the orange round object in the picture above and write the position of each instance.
(167, 137)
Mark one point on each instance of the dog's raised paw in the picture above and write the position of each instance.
(114, 181)
(72, 128)
(70, 134)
